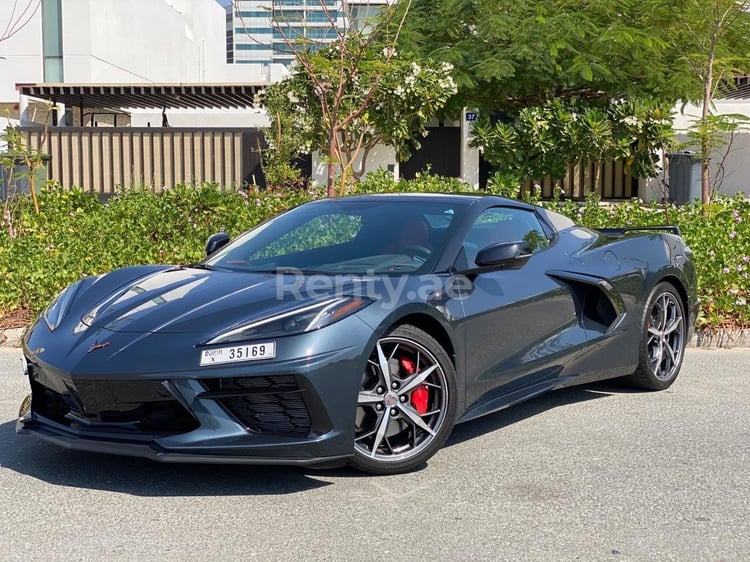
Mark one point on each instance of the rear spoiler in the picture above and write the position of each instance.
(619, 231)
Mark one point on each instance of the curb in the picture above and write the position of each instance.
(721, 338)
(726, 339)
(11, 337)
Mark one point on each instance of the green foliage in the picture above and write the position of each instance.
(76, 236)
(509, 55)
(708, 44)
(21, 164)
(719, 234)
(345, 98)
(504, 184)
(535, 64)
(382, 181)
(285, 139)
(543, 140)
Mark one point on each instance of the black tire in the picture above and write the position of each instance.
(663, 334)
(405, 415)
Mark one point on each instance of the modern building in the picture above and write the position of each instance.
(150, 98)
(259, 31)
(111, 41)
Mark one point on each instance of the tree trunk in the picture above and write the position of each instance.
(332, 164)
(707, 99)
(705, 144)
(705, 171)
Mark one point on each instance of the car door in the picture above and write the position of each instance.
(520, 324)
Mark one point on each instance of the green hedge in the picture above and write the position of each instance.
(75, 236)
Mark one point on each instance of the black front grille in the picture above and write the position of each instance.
(269, 404)
(140, 407)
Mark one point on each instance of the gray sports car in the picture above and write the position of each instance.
(355, 330)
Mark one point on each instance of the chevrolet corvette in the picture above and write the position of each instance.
(357, 330)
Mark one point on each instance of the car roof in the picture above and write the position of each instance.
(555, 220)
(464, 198)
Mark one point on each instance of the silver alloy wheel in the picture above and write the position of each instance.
(389, 425)
(666, 336)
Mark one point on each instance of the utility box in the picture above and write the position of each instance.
(684, 176)
(16, 180)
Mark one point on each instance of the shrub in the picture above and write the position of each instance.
(74, 235)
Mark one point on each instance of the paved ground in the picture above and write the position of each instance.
(595, 473)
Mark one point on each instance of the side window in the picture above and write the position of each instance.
(504, 224)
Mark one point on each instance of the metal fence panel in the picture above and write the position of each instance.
(102, 160)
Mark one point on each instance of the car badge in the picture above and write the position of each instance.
(95, 346)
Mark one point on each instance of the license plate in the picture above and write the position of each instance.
(237, 353)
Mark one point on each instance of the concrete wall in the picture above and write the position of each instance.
(143, 41)
(213, 118)
(379, 157)
(730, 164)
(20, 55)
(121, 41)
(469, 155)
(255, 73)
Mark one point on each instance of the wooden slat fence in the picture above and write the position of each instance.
(613, 182)
(102, 159)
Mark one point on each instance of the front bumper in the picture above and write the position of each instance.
(297, 409)
(50, 432)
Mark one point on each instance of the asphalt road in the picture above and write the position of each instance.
(593, 473)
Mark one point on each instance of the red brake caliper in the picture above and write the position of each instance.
(420, 396)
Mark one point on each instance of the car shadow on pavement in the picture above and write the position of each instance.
(143, 477)
(513, 414)
(534, 406)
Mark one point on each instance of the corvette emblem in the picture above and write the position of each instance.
(95, 346)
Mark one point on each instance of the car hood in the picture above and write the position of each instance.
(193, 300)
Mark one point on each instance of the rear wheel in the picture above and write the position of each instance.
(406, 404)
(663, 335)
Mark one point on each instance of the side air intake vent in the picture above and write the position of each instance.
(598, 312)
(598, 304)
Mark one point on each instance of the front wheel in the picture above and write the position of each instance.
(663, 343)
(406, 405)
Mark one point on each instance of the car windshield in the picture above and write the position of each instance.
(345, 237)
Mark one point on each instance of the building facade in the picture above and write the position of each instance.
(258, 31)
(112, 41)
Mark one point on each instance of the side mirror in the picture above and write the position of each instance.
(216, 242)
(504, 255)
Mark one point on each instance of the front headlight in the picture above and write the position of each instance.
(297, 321)
(55, 312)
